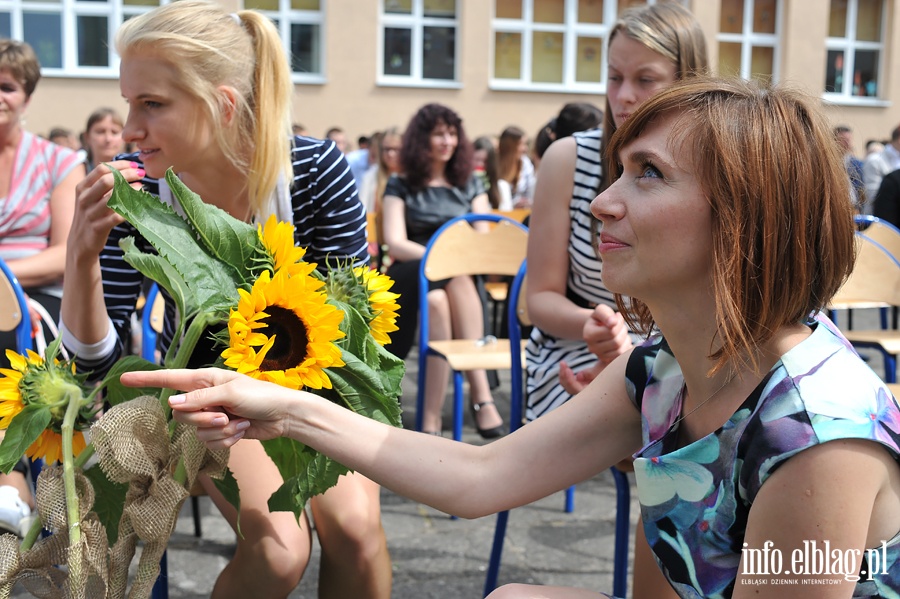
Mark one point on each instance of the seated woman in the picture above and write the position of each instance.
(103, 136)
(37, 185)
(757, 430)
(437, 185)
(516, 167)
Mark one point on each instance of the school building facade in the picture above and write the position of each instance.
(365, 65)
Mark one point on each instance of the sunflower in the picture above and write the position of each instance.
(294, 329)
(32, 380)
(382, 302)
(11, 400)
(278, 239)
(49, 446)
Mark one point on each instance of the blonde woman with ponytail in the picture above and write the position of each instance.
(209, 95)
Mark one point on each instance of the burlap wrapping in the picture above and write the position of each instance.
(132, 445)
(36, 569)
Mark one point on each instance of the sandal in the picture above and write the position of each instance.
(486, 433)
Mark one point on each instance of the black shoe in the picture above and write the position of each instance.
(486, 433)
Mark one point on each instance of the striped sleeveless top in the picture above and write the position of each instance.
(544, 352)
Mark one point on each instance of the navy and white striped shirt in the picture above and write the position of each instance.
(329, 221)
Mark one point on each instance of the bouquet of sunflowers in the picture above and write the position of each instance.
(278, 319)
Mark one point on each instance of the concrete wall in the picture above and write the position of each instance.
(353, 100)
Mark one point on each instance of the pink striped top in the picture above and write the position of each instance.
(25, 213)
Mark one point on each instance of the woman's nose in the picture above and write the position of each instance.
(131, 131)
(606, 205)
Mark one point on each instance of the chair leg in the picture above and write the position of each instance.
(458, 407)
(195, 510)
(570, 499)
(420, 391)
(493, 571)
(623, 532)
(890, 368)
(161, 586)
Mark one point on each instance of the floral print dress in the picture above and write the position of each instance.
(695, 500)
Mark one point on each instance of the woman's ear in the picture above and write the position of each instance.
(228, 101)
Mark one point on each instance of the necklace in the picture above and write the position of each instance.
(702, 403)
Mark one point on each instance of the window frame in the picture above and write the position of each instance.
(286, 16)
(68, 11)
(849, 45)
(116, 12)
(748, 39)
(571, 30)
(416, 22)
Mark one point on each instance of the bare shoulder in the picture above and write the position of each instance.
(560, 155)
(845, 490)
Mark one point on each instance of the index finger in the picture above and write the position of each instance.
(179, 379)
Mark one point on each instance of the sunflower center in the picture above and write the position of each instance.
(289, 349)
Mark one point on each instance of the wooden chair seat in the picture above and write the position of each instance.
(889, 340)
(466, 354)
(498, 290)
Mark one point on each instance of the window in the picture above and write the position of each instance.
(855, 34)
(748, 38)
(70, 37)
(75, 37)
(553, 45)
(418, 43)
(300, 23)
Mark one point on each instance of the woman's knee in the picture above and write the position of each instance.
(277, 561)
(511, 591)
(355, 532)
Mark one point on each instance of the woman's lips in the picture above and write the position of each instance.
(608, 243)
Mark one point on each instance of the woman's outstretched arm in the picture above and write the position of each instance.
(587, 435)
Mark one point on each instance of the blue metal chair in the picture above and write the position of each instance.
(15, 315)
(875, 281)
(517, 316)
(456, 249)
(149, 332)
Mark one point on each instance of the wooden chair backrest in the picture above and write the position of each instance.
(10, 312)
(517, 214)
(461, 250)
(373, 227)
(886, 236)
(875, 276)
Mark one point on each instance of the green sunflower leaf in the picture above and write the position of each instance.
(116, 392)
(306, 473)
(362, 388)
(213, 282)
(355, 327)
(228, 487)
(390, 369)
(228, 239)
(155, 267)
(24, 430)
(109, 501)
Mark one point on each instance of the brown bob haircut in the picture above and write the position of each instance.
(19, 59)
(768, 164)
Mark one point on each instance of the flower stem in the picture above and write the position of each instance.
(73, 515)
(34, 532)
(183, 354)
